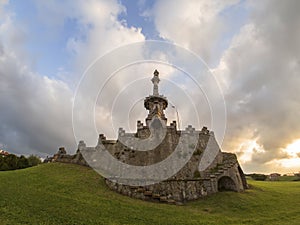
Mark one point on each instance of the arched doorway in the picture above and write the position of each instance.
(226, 184)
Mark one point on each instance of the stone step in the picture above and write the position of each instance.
(171, 201)
(163, 199)
(140, 190)
(148, 193)
(133, 187)
(156, 196)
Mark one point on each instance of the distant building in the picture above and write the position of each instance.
(3, 153)
(274, 176)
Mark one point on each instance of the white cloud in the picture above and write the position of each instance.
(103, 31)
(260, 71)
(196, 25)
(2, 4)
(36, 110)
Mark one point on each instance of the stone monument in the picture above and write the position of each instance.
(199, 176)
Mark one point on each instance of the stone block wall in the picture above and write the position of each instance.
(224, 172)
(168, 191)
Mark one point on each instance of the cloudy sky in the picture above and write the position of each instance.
(250, 48)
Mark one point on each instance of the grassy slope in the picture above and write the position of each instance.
(70, 194)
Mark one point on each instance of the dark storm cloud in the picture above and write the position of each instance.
(260, 70)
(262, 73)
(35, 111)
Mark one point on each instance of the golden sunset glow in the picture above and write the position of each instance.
(232, 78)
(293, 162)
(294, 149)
(248, 148)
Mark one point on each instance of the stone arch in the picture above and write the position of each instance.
(226, 183)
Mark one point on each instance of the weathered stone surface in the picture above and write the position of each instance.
(193, 181)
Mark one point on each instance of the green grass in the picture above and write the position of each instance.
(288, 178)
(71, 194)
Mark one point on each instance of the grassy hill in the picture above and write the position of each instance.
(71, 194)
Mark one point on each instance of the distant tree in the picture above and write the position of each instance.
(3, 166)
(22, 162)
(2, 162)
(297, 175)
(33, 160)
(260, 177)
(12, 161)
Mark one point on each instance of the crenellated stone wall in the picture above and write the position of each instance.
(224, 173)
(206, 170)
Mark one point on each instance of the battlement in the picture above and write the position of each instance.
(206, 171)
(143, 131)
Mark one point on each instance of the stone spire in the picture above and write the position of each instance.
(155, 80)
(156, 103)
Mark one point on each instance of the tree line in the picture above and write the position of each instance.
(13, 162)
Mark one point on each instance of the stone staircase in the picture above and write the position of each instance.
(221, 169)
(152, 196)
